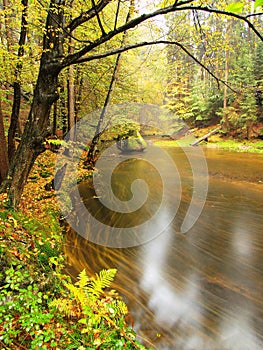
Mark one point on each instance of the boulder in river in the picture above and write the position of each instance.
(133, 143)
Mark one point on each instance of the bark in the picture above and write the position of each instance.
(45, 94)
(71, 96)
(14, 124)
(3, 148)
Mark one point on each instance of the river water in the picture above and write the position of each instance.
(198, 290)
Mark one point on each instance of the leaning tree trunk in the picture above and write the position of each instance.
(90, 159)
(33, 138)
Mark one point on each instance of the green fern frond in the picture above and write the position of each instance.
(78, 293)
(83, 279)
(101, 281)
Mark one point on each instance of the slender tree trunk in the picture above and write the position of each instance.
(3, 148)
(226, 80)
(71, 96)
(90, 160)
(17, 87)
(55, 115)
(8, 33)
(80, 82)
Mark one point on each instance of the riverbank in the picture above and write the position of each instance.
(253, 146)
(40, 307)
(32, 283)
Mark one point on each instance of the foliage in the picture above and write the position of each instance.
(100, 314)
(32, 317)
(40, 307)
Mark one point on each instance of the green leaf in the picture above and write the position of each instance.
(235, 7)
(258, 3)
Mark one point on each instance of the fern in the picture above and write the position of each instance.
(83, 279)
(78, 293)
(101, 281)
(100, 314)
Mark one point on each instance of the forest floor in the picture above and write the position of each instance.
(33, 284)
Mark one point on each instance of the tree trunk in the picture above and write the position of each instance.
(3, 148)
(14, 124)
(55, 115)
(32, 142)
(225, 115)
(206, 136)
(71, 96)
(45, 94)
(90, 160)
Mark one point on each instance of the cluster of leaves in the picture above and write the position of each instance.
(122, 128)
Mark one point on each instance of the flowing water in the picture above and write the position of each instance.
(195, 291)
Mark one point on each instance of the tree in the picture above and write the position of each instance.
(3, 148)
(14, 124)
(58, 30)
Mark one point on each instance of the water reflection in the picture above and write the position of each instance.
(197, 291)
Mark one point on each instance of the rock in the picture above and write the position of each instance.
(134, 143)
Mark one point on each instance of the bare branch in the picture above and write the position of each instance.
(254, 14)
(98, 18)
(149, 43)
(72, 59)
(86, 16)
(226, 13)
(177, 6)
(117, 15)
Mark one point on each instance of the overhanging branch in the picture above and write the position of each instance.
(226, 13)
(149, 43)
(86, 16)
(176, 7)
(98, 18)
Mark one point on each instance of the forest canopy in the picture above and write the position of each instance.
(202, 60)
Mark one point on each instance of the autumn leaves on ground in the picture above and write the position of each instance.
(40, 307)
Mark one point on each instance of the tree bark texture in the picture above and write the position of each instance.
(3, 148)
(45, 94)
(14, 124)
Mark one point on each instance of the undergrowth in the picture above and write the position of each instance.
(40, 307)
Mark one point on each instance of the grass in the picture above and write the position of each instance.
(253, 146)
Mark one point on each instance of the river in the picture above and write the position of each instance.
(196, 290)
